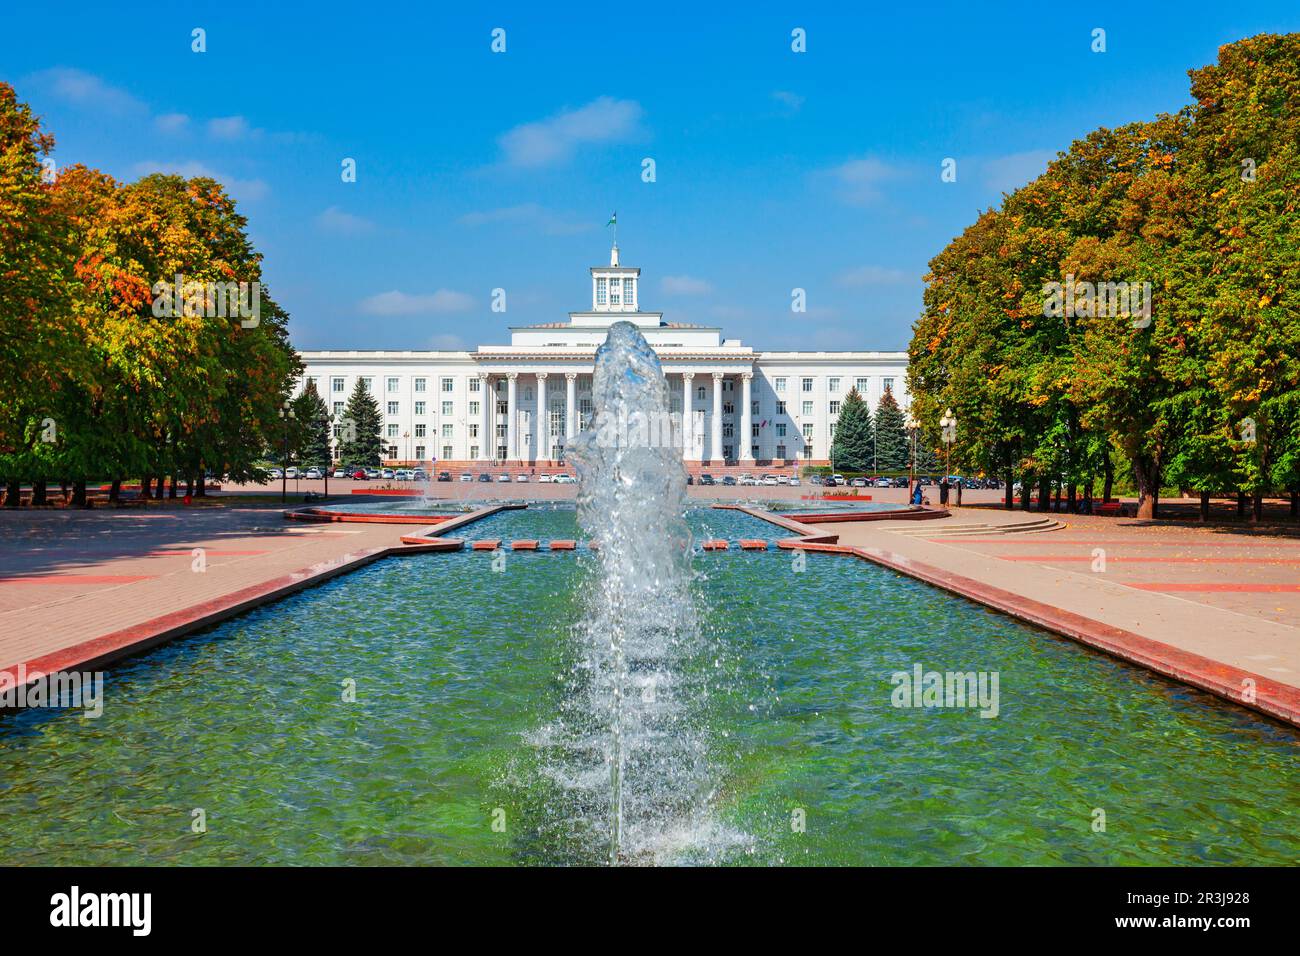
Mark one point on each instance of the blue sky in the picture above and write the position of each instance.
(475, 170)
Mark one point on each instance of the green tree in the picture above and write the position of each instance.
(362, 442)
(851, 449)
(310, 410)
(892, 451)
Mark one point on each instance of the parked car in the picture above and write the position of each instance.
(341, 473)
(372, 473)
(521, 477)
(422, 475)
(543, 479)
(386, 473)
(403, 474)
(747, 480)
(313, 472)
(445, 476)
(815, 479)
(359, 475)
(729, 480)
(503, 477)
(485, 477)
(464, 476)
(706, 479)
(291, 472)
(884, 482)
(770, 480)
(858, 482)
(793, 480)
(829, 481)
(564, 479)
(839, 479)
(276, 473)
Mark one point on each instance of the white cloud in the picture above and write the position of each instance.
(554, 140)
(171, 122)
(247, 190)
(684, 285)
(405, 303)
(872, 275)
(859, 181)
(791, 101)
(1010, 172)
(229, 127)
(87, 90)
(337, 221)
(531, 215)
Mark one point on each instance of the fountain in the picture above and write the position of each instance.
(639, 631)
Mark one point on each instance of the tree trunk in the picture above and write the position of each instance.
(14, 493)
(172, 491)
(1057, 506)
(1044, 493)
(146, 487)
(1009, 496)
(202, 482)
(1205, 506)
(1108, 476)
(63, 484)
(115, 491)
(1148, 480)
(38, 492)
(1257, 507)
(1241, 504)
(1072, 497)
(1087, 497)
(1295, 502)
(1026, 491)
(189, 486)
(79, 494)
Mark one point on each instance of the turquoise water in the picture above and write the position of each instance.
(458, 666)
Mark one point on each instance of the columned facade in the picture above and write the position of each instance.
(737, 406)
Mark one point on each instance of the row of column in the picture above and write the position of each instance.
(488, 434)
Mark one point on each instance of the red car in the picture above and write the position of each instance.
(359, 475)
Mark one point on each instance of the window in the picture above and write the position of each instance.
(419, 452)
(447, 431)
(808, 432)
(338, 409)
(501, 452)
(833, 385)
(807, 385)
(447, 408)
(753, 431)
(336, 384)
(600, 291)
(419, 384)
(392, 431)
(501, 386)
(503, 407)
(475, 384)
(419, 408)
(753, 408)
(807, 408)
(473, 430)
(699, 393)
(780, 383)
(392, 451)
(614, 286)
(473, 452)
(728, 385)
(835, 408)
(780, 433)
(419, 433)
(501, 431)
(889, 384)
(780, 408)
(728, 430)
(448, 384)
(367, 383)
(729, 451)
(392, 408)
(728, 408)
(392, 384)
(475, 409)
(780, 451)
(861, 385)
(629, 291)
(446, 451)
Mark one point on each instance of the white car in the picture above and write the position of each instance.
(747, 480)
(521, 477)
(564, 480)
(770, 480)
(544, 480)
(503, 477)
(312, 473)
(276, 473)
(794, 480)
(341, 473)
(291, 472)
(466, 476)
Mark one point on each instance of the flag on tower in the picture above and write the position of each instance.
(613, 220)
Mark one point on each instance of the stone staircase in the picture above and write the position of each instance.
(982, 530)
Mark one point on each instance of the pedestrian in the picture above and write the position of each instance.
(916, 493)
(943, 490)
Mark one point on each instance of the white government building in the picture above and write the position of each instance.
(514, 404)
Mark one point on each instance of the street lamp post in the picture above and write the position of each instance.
(948, 431)
(286, 416)
(911, 425)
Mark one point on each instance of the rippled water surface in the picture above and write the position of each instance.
(457, 667)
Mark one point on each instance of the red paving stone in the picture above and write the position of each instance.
(564, 544)
(486, 544)
(81, 579)
(524, 545)
(210, 552)
(753, 544)
(714, 545)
